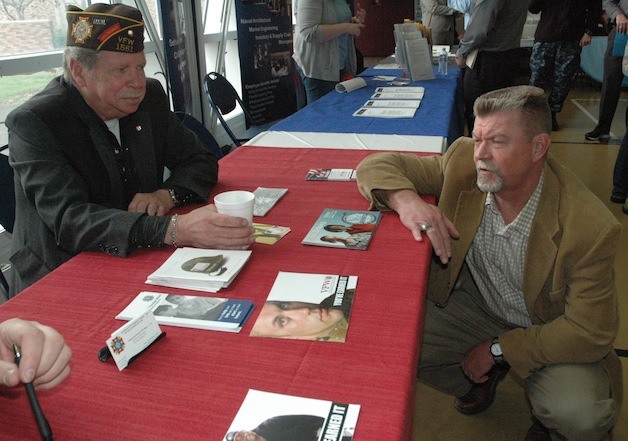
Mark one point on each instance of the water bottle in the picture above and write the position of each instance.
(442, 62)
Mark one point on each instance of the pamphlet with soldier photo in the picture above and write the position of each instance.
(272, 416)
(212, 313)
(348, 229)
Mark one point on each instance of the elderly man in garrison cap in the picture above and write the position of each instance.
(89, 153)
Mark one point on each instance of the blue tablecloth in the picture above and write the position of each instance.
(440, 113)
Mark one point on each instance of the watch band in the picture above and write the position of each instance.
(496, 352)
(174, 197)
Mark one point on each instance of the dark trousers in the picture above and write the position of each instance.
(611, 85)
(553, 65)
(620, 174)
(492, 71)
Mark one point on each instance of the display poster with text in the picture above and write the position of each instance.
(265, 45)
(176, 47)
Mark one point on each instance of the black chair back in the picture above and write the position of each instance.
(7, 192)
(204, 135)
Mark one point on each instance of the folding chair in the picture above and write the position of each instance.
(224, 99)
(204, 135)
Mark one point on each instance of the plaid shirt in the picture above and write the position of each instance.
(496, 259)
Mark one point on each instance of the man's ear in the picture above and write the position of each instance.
(541, 143)
(78, 73)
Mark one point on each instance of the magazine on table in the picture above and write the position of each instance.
(273, 416)
(200, 269)
(331, 174)
(307, 307)
(266, 198)
(212, 313)
(348, 229)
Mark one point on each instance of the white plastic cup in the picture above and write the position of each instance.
(236, 203)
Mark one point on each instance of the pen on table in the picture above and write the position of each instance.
(42, 422)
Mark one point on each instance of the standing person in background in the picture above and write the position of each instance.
(324, 48)
(440, 18)
(464, 7)
(563, 30)
(492, 39)
(613, 75)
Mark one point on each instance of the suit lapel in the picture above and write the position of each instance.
(468, 216)
(542, 249)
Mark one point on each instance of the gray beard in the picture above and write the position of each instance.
(493, 187)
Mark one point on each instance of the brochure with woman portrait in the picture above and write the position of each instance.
(307, 307)
(349, 229)
(272, 416)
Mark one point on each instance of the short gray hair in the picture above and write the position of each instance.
(530, 101)
(87, 57)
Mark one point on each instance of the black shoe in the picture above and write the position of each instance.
(618, 198)
(481, 395)
(555, 126)
(597, 135)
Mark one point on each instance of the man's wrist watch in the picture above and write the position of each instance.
(174, 197)
(496, 352)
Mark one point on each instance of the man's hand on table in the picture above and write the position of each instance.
(206, 228)
(414, 212)
(157, 203)
(44, 354)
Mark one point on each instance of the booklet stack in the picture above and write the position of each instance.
(348, 229)
(273, 416)
(199, 269)
(212, 313)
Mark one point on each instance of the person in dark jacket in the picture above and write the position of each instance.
(564, 29)
(89, 154)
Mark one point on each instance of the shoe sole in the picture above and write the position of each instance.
(489, 403)
(602, 138)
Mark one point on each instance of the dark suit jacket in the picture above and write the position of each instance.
(569, 280)
(69, 191)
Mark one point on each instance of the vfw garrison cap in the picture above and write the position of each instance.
(104, 27)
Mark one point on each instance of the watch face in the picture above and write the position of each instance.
(358, 218)
(496, 349)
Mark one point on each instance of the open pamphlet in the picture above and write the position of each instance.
(212, 313)
(307, 307)
(266, 198)
(272, 416)
(331, 174)
(348, 229)
(269, 234)
(200, 269)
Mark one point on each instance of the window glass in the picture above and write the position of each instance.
(28, 26)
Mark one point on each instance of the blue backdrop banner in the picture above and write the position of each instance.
(265, 46)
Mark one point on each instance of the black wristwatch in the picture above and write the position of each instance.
(174, 196)
(496, 352)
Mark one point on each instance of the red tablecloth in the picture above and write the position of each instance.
(190, 385)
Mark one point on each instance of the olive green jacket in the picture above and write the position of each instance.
(569, 280)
